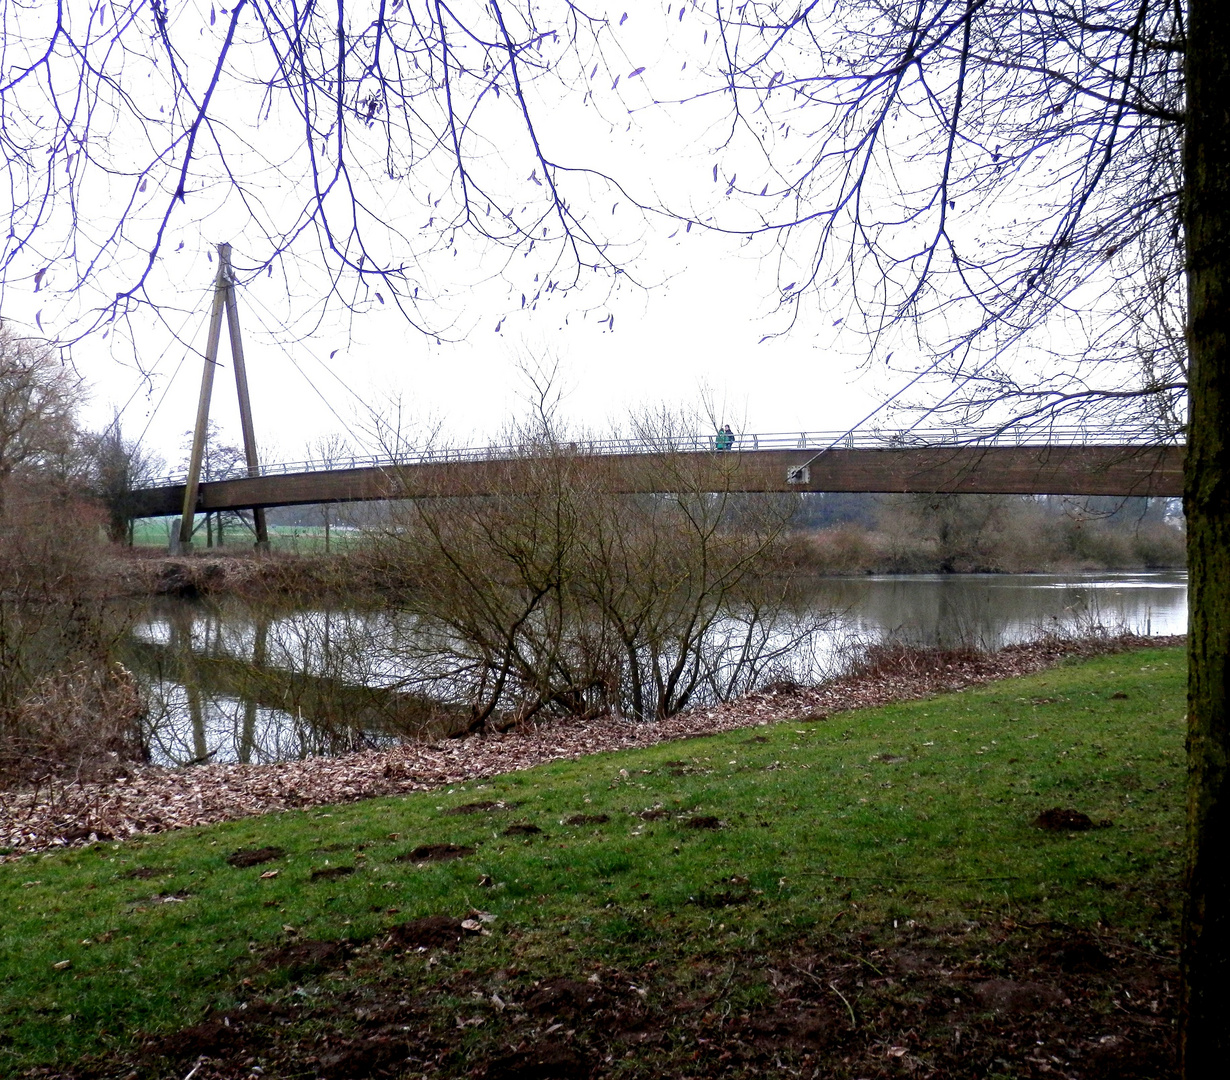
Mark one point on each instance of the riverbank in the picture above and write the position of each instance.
(362, 576)
(282, 578)
(141, 799)
(981, 883)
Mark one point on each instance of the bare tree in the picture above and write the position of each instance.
(330, 451)
(563, 595)
(39, 396)
(62, 701)
(117, 467)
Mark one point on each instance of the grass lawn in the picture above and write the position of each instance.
(862, 896)
(299, 539)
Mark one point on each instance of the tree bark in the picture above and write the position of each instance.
(1204, 1033)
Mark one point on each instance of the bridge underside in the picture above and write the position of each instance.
(1009, 470)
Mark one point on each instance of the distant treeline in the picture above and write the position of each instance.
(858, 533)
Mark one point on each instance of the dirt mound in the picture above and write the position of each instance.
(477, 808)
(587, 819)
(721, 898)
(522, 829)
(1076, 955)
(331, 873)
(214, 1038)
(435, 853)
(565, 997)
(702, 821)
(429, 932)
(1059, 819)
(254, 856)
(144, 873)
(306, 957)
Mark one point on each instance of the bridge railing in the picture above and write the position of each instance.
(813, 441)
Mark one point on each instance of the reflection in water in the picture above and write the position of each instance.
(992, 610)
(229, 682)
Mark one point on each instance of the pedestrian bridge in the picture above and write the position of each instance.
(1004, 460)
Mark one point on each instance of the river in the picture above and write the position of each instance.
(226, 682)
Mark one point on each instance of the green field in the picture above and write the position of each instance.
(725, 866)
(299, 539)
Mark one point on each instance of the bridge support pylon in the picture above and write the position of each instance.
(224, 301)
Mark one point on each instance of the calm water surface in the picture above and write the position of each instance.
(229, 684)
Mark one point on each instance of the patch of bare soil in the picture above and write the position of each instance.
(1063, 819)
(305, 957)
(331, 873)
(523, 828)
(702, 821)
(429, 932)
(245, 857)
(587, 819)
(214, 1038)
(435, 853)
(150, 799)
(1033, 1003)
(486, 807)
(144, 873)
(223, 1037)
(566, 998)
(724, 896)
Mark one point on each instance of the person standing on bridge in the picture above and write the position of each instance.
(730, 437)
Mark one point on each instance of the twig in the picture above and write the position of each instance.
(849, 1007)
(821, 982)
(860, 959)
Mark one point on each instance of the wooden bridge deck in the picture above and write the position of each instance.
(1127, 470)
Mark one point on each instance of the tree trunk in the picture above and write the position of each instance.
(1204, 1033)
